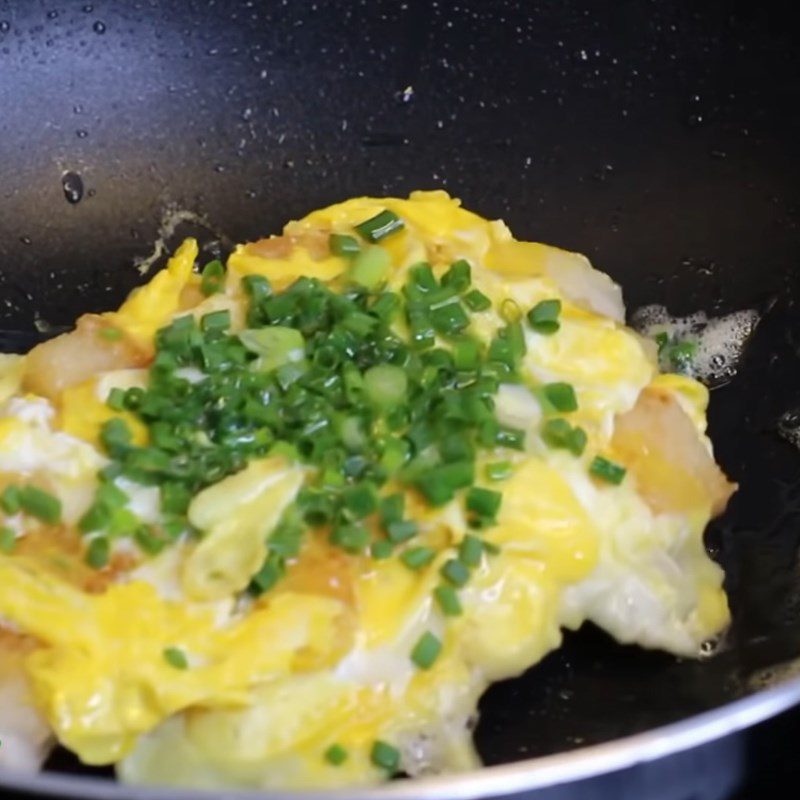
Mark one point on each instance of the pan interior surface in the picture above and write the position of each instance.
(659, 139)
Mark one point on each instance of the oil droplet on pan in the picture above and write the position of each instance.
(99, 27)
(72, 184)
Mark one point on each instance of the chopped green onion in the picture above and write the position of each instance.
(447, 598)
(385, 756)
(343, 245)
(336, 755)
(213, 277)
(267, 576)
(176, 658)
(449, 318)
(401, 531)
(351, 538)
(499, 470)
(458, 276)
(426, 650)
(95, 519)
(40, 504)
(561, 396)
(392, 507)
(381, 549)
(116, 399)
(422, 277)
(380, 226)
(360, 500)
(607, 470)
(8, 539)
(466, 354)
(484, 502)
(440, 483)
(560, 434)
(455, 571)
(510, 310)
(98, 552)
(385, 385)
(370, 267)
(215, 321)
(418, 557)
(543, 317)
(275, 345)
(470, 550)
(477, 301)
(257, 287)
(115, 434)
(9, 500)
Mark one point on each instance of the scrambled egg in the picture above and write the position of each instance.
(262, 687)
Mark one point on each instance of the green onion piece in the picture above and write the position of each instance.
(561, 396)
(336, 754)
(449, 318)
(110, 334)
(8, 539)
(267, 576)
(455, 571)
(385, 756)
(515, 337)
(392, 507)
(386, 385)
(466, 354)
(459, 276)
(115, 434)
(360, 500)
(513, 438)
(447, 598)
(111, 495)
(477, 301)
(116, 399)
(560, 434)
(351, 538)
(9, 500)
(395, 453)
(498, 470)
(98, 552)
(380, 226)
(274, 345)
(381, 549)
(40, 504)
(577, 441)
(510, 311)
(426, 650)
(543, 317)
(607, 470)
(176, 658)
(95, 519)
(422, 277)
(257, 287)
(370, 267)
(212, 277)
(149, 540)
(343, 245)
(401, 531)
(484, 502)
(470, 550)
(440, 483)
(215, 321)
(386, 305)
(418, 557)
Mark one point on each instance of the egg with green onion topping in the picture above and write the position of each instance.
(277, 523)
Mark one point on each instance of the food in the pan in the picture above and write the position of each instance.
(278, 523)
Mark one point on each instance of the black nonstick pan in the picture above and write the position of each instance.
(659, 138)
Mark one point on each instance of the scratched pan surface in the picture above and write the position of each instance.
(658, 138)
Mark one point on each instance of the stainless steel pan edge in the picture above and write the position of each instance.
(488, 782)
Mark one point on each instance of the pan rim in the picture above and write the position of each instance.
(503, 779)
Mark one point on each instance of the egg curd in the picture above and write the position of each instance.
(279, 522)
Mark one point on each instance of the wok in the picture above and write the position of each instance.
(658, 138)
